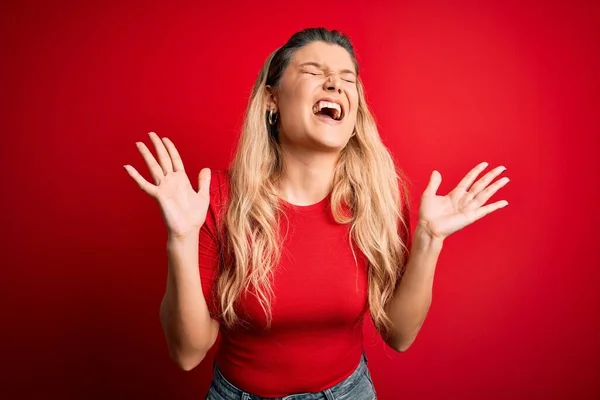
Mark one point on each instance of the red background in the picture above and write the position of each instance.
(515, 311)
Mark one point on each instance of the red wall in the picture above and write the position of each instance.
(515, 312)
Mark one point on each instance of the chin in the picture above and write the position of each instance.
(329, 140)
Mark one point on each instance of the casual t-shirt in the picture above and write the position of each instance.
(320, 298)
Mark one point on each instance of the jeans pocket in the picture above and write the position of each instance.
(213, 393)
(367, 374)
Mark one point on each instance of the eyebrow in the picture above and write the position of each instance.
(316, 64)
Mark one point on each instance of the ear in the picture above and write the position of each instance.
(271, 99)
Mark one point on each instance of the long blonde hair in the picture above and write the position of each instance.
(366, 179)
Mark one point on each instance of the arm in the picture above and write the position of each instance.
(184, 315)
(439, 217)
(412, 297)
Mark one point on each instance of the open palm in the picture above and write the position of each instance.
(183, 208)
(441, 216)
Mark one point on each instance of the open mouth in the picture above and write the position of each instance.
(329, 109)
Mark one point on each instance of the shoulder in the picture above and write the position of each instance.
(218, 197)
(219, 184)
(218, 191)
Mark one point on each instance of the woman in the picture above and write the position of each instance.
(306, 231)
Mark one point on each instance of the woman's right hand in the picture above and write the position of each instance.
(183, 209)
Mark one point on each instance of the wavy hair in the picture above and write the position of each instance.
(366, 181)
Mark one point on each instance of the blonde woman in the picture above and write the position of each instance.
(286, 251)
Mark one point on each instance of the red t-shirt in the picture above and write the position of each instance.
(316, 337)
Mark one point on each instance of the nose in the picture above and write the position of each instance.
(332, 84)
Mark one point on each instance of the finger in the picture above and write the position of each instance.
(174, 154)
(163, 156)
(485, 180)
(490, 208)
(153, 166)
(143, 184)
(204, 181)
(434, 183)
(468, 180)
(486, 194)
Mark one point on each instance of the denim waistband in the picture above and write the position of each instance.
(229, 390)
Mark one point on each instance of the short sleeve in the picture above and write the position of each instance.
(209, 246)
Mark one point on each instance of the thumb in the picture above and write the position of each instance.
(204, 181)
(434, 183)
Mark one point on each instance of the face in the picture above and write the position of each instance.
(317, 97)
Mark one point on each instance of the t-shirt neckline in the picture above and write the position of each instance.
(319, 205)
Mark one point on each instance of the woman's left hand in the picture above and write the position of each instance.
(441, 216)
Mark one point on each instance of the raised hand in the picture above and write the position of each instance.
(183, 209)
(441, 216)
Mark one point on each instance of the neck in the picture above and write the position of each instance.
(307, 175)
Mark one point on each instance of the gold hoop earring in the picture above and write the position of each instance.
(272, 118)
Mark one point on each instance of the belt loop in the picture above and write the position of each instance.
(245, 396)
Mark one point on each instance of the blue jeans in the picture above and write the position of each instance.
(358, 386)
